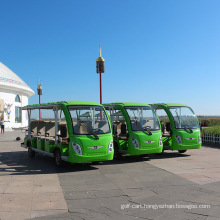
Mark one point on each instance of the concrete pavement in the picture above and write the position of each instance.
(28, 188)
(169, 186)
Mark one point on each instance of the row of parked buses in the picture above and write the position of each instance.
(79, 132)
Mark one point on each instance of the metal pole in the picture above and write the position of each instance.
(100, 88)
(39, 110)
(56, 123)
(39, 90)
(100, 93)
(29, 123)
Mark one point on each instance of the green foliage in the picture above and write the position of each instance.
(211, 121)
(211, 130)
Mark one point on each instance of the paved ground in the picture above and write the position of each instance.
(28, 188)
(169, 186)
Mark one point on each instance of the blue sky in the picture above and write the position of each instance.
(155, 51)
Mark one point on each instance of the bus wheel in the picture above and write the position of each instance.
(57, 156)
(31, 153)
(182, 151)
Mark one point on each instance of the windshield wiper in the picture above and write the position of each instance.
(91, 131)
(148, 130)
(191, 131)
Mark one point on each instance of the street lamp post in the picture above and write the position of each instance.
(100, 68)
(39, 91)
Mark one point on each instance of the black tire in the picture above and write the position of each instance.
(31, 153)
(182, 151)
(57, 157)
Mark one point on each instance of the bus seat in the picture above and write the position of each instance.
(123, 129)
(119, 128)
(162, 126)
(50, 131)
(76, 126)
(168, 127)
(115, 132)
(123, 134)
(63, 131)
(149, 123)
(103, 125)
(41, 129)
(135, 125)
(84, 127)
(34, 128)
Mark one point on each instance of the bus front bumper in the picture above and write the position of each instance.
(140, 151)
(185, 147)
(84, 159)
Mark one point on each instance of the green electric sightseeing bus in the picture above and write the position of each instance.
(72, 131)
(136, 128)
(180, 126)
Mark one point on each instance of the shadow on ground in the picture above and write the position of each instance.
(169, 154)
(19, 163)
(216, 146)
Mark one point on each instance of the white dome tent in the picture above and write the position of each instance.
(14, 94)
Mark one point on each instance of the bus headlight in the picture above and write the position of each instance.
(110, 146)
(77, 148)
(135, 142)
(178, 139)
(200, 138)
(160, 141)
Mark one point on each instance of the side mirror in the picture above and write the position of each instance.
(168, 126)
(115, 129)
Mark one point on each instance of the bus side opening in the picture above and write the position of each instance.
(165, 122)
(118, 123)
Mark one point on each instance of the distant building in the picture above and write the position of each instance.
(14, 94)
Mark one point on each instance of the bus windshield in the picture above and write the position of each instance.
(184, 117)
(142, 118)
(89, 120)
